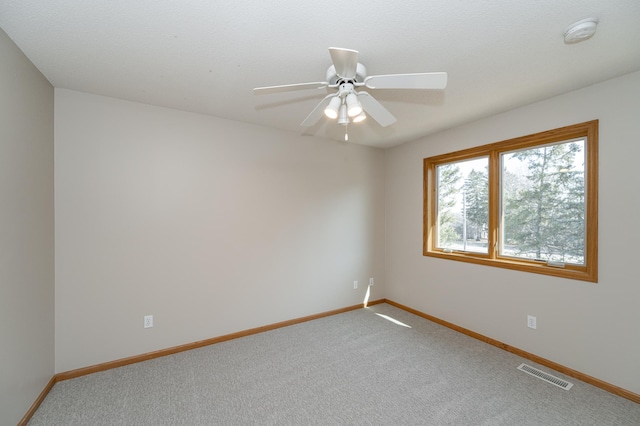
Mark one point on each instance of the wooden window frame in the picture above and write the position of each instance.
(586, 272)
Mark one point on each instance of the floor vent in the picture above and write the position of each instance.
(545, 376)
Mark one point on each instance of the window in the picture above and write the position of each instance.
(528, 203)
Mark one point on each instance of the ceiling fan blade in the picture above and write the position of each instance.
(428, 80)
(289, 87)
(317, 112)
(375, 109)
(345, 61)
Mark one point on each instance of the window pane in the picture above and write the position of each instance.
(463, 205)
(543, 203)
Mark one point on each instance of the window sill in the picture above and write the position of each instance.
(569, 271)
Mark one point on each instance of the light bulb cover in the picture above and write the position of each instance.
(353, 105)
(332, 109)
(360, 117)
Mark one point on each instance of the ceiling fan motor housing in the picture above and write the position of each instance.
(333, 78)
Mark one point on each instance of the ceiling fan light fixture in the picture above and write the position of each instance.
(360, 117)
(353, 105)
(343, 118)
(332, 109)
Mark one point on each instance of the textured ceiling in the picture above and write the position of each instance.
(206, 56)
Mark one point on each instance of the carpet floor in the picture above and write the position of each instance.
(374, 366)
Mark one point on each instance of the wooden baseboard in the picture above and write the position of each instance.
(25, 419)
(524, 354)
(176, 349)
(169, 351)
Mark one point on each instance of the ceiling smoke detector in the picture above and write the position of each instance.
(580, 31)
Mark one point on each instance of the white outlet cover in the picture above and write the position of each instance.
(148, 321)
(531, 321)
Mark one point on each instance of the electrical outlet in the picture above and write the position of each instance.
(148, 321)
(370, 282)
(355, 285)
(531, 321)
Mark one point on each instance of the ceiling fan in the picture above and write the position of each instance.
(347, 104)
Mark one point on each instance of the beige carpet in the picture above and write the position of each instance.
(374, 366)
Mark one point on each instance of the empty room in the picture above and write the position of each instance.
(299, 213)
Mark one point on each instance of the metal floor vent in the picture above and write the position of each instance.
(545, 376)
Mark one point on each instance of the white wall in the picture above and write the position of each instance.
(215, 227)
(592, 328)
(26, 233)
(210, 225)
